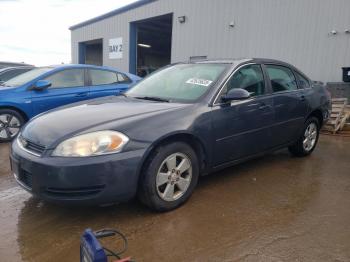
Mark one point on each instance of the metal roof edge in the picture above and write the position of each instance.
(112, 13)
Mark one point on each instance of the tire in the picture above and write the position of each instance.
(163, 175)
(11, 122)
(308, 140)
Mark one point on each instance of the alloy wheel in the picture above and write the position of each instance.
(310, 137)
(174, 177)
(9, 126)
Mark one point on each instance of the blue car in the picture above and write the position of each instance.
(45, 88)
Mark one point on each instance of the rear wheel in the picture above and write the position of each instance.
(308, 140)
(169, 177)
(10, 123)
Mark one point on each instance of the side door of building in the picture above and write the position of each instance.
(289, 103)
(242, 128)
(67, 86)
(107, 83)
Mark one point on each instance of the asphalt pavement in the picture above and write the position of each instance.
(275, 208)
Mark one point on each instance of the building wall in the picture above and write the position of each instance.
(295, 31)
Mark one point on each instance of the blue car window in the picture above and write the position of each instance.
(5, 76)
(123, 78)
(282, 78)
(103, 77)
(27, 76)
(249, 78)
(67, 78)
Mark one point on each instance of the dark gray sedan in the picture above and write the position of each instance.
(183, 121)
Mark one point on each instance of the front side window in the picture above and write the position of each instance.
(67, 78)
(302, 81)
(282, 78)
(181, 82)
(249, 78)
(103, 77)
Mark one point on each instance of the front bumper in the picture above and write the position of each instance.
(91, 180)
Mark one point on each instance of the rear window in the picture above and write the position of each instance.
(302, 81)
(282, 78)
(103, 77)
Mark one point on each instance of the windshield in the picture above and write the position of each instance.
(182, 82)
(26, 77)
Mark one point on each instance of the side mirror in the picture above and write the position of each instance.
(236, 94)
(41, 85)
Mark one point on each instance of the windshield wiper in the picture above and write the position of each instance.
(153, 98)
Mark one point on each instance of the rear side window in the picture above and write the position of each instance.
(123, 78)
(67, 78)
(282, 78)
(103, 77)
(249, 78)
(302, 81)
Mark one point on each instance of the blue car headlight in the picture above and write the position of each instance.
(92, 144)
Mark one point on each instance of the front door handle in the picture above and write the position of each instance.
(302, 98)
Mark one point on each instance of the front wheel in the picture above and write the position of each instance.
(308, 140)
(170, 176)
(10, 123)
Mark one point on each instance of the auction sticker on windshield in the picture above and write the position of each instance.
(200, 82)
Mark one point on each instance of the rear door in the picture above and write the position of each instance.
(107, 83)
(67, 86)
(289, 103)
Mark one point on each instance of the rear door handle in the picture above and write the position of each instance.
(81, 94)
(263, 106)
(301, 96)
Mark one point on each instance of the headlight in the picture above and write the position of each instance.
(92, 144)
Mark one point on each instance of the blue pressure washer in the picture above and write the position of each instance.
(92, 251)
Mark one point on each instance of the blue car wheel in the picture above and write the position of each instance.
(10, 123)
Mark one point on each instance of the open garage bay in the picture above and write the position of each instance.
(276, 208)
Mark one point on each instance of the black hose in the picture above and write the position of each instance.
(112, 232)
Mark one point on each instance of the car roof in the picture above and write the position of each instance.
(238, 61)
(81, 66)
(15, 67)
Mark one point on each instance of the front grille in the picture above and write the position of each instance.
(74, 192)
(26, 178)
(30, 146)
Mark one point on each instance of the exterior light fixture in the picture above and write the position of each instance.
(181, 19)
(144, 45)
(347, 31)
(334, 32)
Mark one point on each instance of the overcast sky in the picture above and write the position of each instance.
(36, 31)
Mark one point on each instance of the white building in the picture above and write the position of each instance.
(313, 35)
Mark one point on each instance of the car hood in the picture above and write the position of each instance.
(98, 114)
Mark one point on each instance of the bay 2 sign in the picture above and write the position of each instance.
(115, 48)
